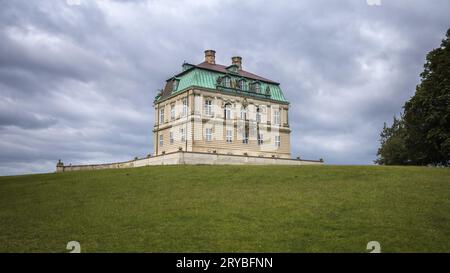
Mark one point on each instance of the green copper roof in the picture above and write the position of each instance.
(197, 77)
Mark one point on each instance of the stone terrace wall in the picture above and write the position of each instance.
(190, 158)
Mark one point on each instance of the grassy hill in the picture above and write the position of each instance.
(228, 209)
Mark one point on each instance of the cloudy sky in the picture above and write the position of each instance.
(78, 77)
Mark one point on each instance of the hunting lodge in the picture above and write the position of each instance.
(213, 108)
(216, 114)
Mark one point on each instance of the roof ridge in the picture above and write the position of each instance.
(222, 69)
(245, 72)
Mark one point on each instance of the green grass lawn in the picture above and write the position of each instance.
(228, 209)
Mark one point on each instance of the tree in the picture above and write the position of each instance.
(393, 149)
(427, 113)
(423, 132)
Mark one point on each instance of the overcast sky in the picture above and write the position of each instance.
(77, 82)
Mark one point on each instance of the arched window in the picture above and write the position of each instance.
(257, 87)
(244, 113)
(242, 84)
(227, 81)
(227, 111)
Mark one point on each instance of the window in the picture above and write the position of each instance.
(276, 117)
(227, 113)
(229, 136)
(172, 111)
(208, 134)
(161, 115)
(260, 139)
(258, 115)
(161, 140)
(245, 137)
(277, 141)
(256, 87)
(171, 137)
(242, 85)
(174, 85)
(183, 134)
(185, 107)
(208, 107)
(244, 113)
(227, 82)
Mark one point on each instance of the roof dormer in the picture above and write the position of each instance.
(233, 69)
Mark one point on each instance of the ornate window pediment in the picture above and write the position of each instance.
(233, 69)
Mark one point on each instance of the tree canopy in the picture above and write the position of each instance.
(421, 136)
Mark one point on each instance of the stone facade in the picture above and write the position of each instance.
(196, 121)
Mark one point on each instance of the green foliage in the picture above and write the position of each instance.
(424, 132)
(393, 150)
(228, 209)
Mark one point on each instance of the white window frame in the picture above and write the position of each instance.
(172, 111)
(276, 117)
(161, 115)
(278, 141)
(183, 134)
(208, 134)
(208, 107)
(185, 107)
(171, 140)
(161, 140)
(227, 111)
(229, 136)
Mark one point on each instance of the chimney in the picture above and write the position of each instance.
(236, 60)
(210, 56)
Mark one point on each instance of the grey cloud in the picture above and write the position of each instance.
(77, 82)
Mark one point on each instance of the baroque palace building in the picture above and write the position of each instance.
(216, 114)
(223, 109)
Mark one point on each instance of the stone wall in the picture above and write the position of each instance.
(190, 158)
(195, 123)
